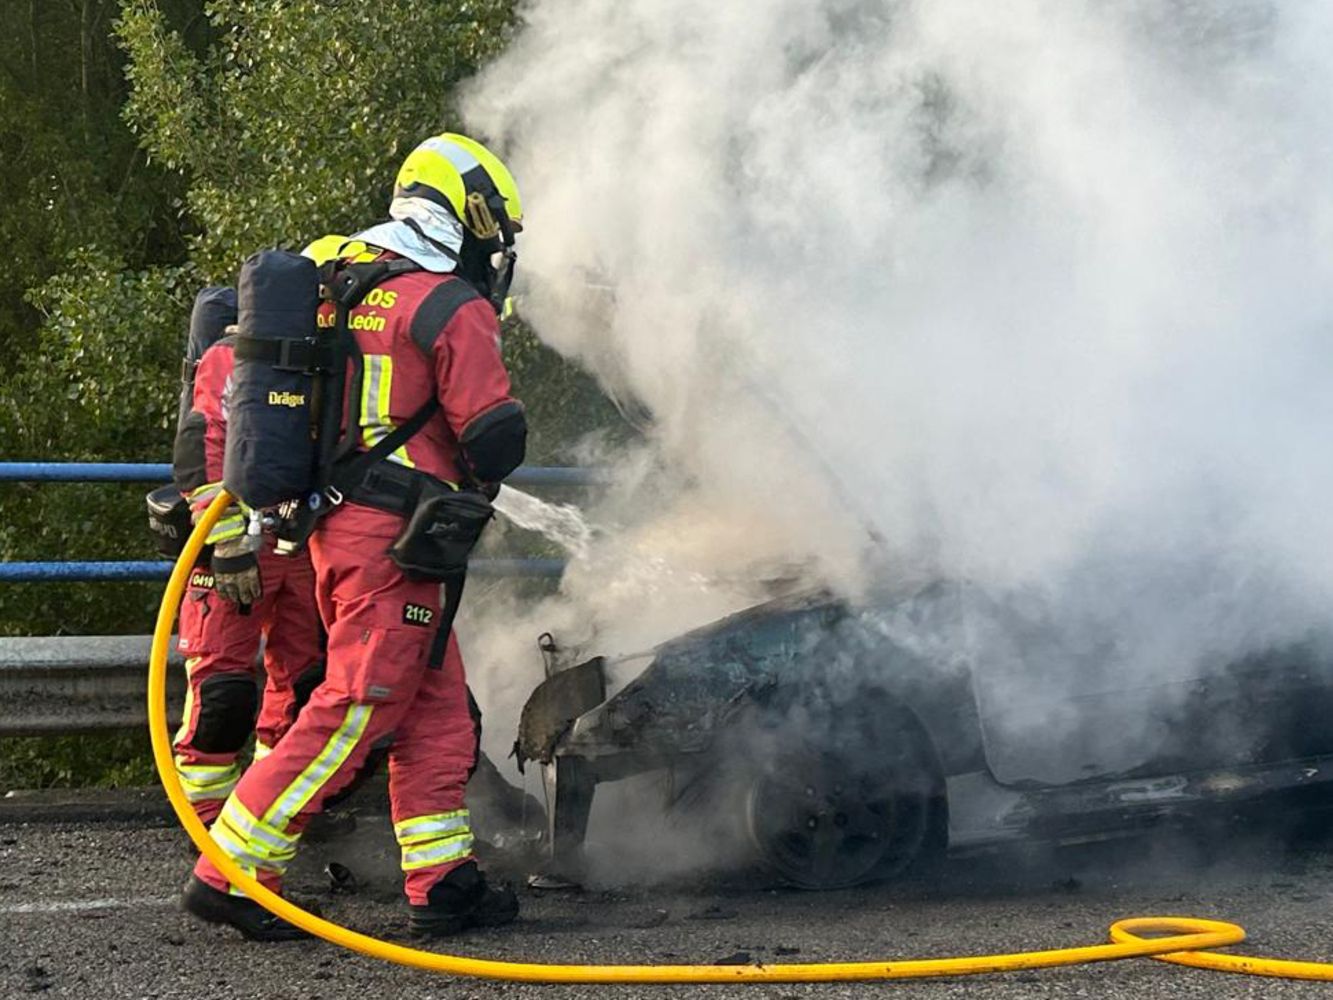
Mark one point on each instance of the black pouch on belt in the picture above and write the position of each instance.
(168, 520)
(440, 535)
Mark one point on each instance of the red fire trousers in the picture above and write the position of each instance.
(221, 644)
(379, 689)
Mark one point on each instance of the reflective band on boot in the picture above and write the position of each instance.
(435, 839)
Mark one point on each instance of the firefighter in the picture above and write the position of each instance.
(234, 600)
(429, 343)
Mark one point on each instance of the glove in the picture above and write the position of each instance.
(236, 572)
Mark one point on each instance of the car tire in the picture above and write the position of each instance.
(838, 792)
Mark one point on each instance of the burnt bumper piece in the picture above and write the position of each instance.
(569, 782)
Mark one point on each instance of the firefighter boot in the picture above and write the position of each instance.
(216, 907)
(460, 900)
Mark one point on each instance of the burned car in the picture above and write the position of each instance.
(858, 741)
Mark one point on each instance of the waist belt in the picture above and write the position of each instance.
(395, 488)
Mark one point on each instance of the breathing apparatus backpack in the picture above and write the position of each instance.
(287, 453)
(168, 513)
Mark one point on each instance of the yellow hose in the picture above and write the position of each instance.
(1187, 936)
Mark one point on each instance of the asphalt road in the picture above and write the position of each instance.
(86, 910)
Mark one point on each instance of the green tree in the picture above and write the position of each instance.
(292, 124)
(213, 130)
(74, 174)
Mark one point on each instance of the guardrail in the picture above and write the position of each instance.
(159, 472)
(69, 683)
(31, 572)
(60, 684)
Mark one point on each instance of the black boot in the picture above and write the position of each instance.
(247, 916)
(460, 900)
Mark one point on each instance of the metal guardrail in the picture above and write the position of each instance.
(32, 572)
(60, 684)
(70, 683)
(158, 472)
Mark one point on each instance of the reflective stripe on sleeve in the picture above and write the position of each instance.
(376, 390)
(229, 527)
(202, 496)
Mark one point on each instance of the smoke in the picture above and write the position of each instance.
(1037, 292)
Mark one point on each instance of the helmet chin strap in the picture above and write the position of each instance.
(503, 279)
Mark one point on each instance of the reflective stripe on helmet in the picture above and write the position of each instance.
(447, 168)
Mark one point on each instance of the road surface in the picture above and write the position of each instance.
(87, 910)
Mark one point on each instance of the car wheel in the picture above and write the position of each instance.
(845, 795)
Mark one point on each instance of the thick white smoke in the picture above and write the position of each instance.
(1039, 289)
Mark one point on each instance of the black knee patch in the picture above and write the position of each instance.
(228, 704)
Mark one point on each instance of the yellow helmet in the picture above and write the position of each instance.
(335, 247)
(467, 178)
(324, 249)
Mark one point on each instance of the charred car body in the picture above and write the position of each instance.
(858, 741)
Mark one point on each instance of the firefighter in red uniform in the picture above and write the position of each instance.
(428, 337)
(231, 604)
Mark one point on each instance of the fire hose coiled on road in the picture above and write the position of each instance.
(1188, 940)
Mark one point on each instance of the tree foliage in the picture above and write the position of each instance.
(293, 123)
(183, 136)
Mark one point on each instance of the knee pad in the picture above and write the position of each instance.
(228, 704)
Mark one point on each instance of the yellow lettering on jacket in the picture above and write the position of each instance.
(371, 322)
(292, 399)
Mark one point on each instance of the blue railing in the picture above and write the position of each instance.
(154, 472)
(160, 472)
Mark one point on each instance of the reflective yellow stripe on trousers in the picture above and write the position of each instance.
(317, 773)
(203, 782)
(434, 839)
